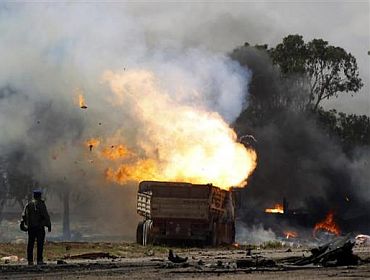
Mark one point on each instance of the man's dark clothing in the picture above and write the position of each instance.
(38, 234)
(36, 217)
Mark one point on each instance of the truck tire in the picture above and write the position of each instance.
(140, 233)
(147, 228)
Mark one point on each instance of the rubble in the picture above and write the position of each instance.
(175, 258)
(255, 262)
(9, 259)
(336, 252)
(362, 240)
(92, 256)
(197, 262)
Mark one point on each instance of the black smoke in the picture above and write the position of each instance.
(297, 158)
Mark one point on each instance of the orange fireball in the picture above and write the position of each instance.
(176, 142)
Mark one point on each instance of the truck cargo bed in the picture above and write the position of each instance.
(179, 200)
(184, 212)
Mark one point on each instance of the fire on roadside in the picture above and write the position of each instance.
(328, 224)
(278, 208)
(290, 234)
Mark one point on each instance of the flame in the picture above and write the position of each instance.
(134, 172)
(174, 141)
(278, 208)
(328, 224)
(290, 234)
(115, 152)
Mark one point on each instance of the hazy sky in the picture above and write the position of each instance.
(213, 26)
(223, 26)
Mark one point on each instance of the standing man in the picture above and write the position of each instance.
(36, 218)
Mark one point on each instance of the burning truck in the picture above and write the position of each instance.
(184, 213)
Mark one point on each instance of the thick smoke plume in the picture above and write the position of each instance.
(298, 160)
(72, 50)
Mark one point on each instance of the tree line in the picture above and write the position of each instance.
(298, 76)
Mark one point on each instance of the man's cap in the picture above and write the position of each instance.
(37, 191)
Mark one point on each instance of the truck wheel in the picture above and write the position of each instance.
(140, 233)
(147, 228)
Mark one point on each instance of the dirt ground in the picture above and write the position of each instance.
(130, 261)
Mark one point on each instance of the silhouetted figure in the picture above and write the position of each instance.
(36, 218)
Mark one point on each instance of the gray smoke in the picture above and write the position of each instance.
(50, 53)
(253, 234)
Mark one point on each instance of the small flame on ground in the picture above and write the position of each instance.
(290, 234)
(328, 224)
(278, 208)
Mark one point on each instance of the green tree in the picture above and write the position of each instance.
(352, 130)
(326, 70)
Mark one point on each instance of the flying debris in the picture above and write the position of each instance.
(80, 99)
(91, 143)
(248, 140)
